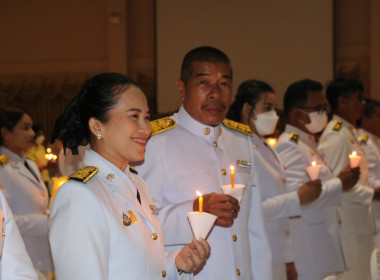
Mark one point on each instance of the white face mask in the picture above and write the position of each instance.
(317, 122)
(39, 139)
(265, 123)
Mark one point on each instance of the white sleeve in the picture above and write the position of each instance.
(78, 236)
(281, 206)
(15, 263)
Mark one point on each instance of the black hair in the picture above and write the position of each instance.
(249, 92)
(203, 54)
(341, 87)
(96, 98)
(296, 94)
(10, 116)
(370, 107)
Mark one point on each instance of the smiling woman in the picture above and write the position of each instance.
(103, 224)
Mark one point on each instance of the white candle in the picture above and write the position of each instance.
(354, 159)
(313, 170)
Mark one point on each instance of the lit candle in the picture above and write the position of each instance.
(232, 176)
(272, 141)
(313, 170)
(354, 159)
(200, 202)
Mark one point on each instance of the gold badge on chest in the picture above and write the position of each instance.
(127, 220)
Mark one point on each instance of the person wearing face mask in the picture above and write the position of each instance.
(37, 153)
(254, 105)
(338, 140)
(315, 233)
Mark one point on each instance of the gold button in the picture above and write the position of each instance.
(234, 237)
(352, 141)
(206, 131)
(43, 194)
(283, 180)
(163, 274)
(223, 171)
(238, 272)
(287, 232)
(154, 236)
(340, 222)
(215, 144)
(110, 177)
(220, 131)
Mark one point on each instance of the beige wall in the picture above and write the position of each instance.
(276, 41)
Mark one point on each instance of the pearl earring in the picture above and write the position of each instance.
(99, 136)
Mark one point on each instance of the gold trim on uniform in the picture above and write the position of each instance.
(364, 138)
(223, 171)
(162, 125)
(154, 236)
(84, 174)
(338, 125)
(132, 216)
(133, 170)
(294, 136)
(4, 159)
(163, 274)
(242, 128)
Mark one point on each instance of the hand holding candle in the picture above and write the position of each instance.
(232, 176)
(313, 170)
(354, 159)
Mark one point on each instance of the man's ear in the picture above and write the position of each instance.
(96, 126)
(181, 89)
(342, 102)
(294, 114)
(4, 133)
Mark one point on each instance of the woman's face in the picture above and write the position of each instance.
(21, 138)
(267, 103)
(125, 134)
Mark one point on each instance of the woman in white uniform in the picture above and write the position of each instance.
(24, 188)
(254, 105)
(103, 223)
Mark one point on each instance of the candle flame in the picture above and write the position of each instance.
(232, 167)
(48, 150)
(272, 141)
(199, 193)
(314, 163)
(354, 153)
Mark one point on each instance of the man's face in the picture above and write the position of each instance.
(372, 124)
(353, 106)
(207, 94)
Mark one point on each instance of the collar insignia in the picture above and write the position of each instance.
(126, 220)
(295, 137)
(338, 125)
(4, 159)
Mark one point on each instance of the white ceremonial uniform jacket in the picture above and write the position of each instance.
(336, 145)
(371, 147)
(93, 234)
(278, 205)
(194, 157)
(315, 234)
(15, 263)
(28, 199)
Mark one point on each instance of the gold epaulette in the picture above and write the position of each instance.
(133, 170)
(4, 159)
(294, 136)
(31, 157)
(364, 138)
(243, 128)
(162, 125)
(338, 125)
(84, 174)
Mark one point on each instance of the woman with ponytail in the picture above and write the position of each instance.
(103, 223)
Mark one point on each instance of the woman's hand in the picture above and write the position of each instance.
(193, 256)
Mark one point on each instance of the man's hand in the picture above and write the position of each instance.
(349, 177)
(193, 256)
(224, 206)
(309, 191)
(377, 194)
(291, 271)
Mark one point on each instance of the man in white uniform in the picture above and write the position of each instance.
(337, 142)
(369, 138)
(315, 233)
(192, 151)
(15, 263)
